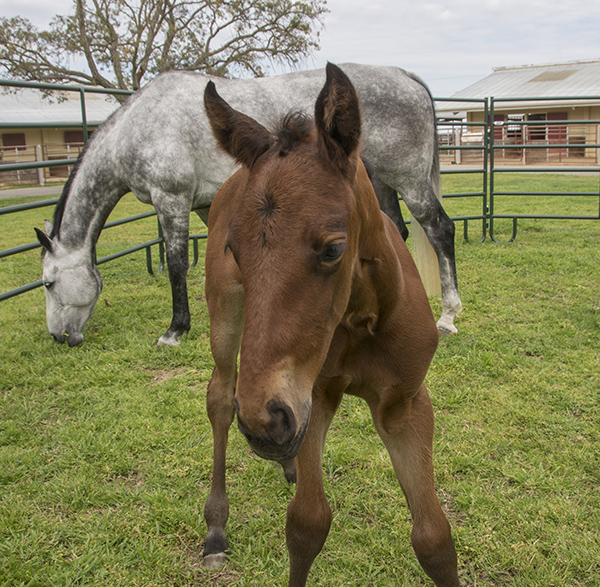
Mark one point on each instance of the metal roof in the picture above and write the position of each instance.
(570, 79)
(27, 106)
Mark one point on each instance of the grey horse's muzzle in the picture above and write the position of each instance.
(71, 339)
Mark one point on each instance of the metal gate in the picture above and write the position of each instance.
(513, 140)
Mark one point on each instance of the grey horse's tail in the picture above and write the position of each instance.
(436, 179)
(424, 255)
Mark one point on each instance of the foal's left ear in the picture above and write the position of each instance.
(337, 117)
(241, 136)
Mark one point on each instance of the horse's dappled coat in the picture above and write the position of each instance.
(159, 145)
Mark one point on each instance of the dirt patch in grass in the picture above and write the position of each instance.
(161, 375)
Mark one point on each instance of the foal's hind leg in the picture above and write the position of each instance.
(406, 428)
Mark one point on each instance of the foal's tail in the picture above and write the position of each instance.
(423, 253)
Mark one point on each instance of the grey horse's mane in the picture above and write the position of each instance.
(62, 201)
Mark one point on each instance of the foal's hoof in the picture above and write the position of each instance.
(215, 561)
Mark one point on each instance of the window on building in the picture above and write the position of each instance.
(74, 137)
(514, 131)
(16, 139)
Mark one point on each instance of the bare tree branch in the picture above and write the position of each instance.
(86, 48)
(124, 42)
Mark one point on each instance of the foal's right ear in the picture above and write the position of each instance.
(337, 118)
(241, 136)
(44, 240)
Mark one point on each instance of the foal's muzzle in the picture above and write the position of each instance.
(281, 437)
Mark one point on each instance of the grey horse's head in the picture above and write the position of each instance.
(72, 284)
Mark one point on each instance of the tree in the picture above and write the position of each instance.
(125, 42)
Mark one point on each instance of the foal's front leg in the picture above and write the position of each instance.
(221, 411)
(225, 304)
(406, 428)
(309, 515)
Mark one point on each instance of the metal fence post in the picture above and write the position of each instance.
(83, 115)
(40, 171)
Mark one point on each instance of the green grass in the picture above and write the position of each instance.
(105, 448)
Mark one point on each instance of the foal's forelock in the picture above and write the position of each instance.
(294, 128)
(292, 131)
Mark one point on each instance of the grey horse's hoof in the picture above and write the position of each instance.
(166, 341)
(215, 561)
(446, 328)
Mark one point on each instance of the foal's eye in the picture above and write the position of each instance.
(48, 284)
(332, 252)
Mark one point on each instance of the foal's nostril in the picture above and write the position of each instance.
(275, 436)
(282, 427)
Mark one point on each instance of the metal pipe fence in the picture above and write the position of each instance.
(480, 147)
(147, 246)
(550, 135)
(553, 129)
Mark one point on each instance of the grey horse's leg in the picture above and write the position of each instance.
(174, 216)
(388, 200)
(389, 204)
(203, 213)
(439, 228)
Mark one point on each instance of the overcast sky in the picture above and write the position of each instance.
(449, 43)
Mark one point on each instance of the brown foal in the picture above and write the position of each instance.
(315, 289)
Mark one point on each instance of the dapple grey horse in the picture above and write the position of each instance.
(159, 145)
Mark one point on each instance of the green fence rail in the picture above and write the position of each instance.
(489, 169)
(483, 170)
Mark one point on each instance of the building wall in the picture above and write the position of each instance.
(40, 136)
(41, 144)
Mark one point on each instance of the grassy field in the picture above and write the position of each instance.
(105, 448)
